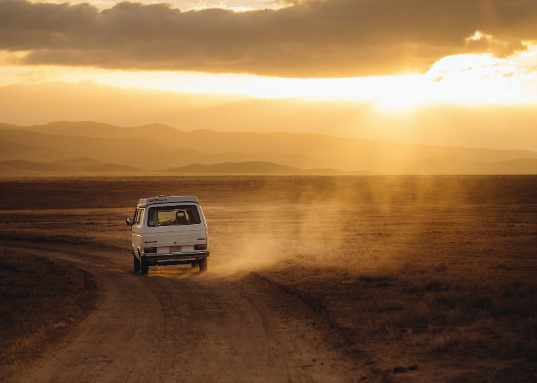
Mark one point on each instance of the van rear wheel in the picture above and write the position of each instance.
(136, 263)
(144, 268)
(203, 264)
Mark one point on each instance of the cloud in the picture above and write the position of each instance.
(239, 5)
(311, 38)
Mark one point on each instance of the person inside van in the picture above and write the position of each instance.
(181, 218)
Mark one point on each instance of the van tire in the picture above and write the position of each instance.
(203, 264)
(144, 268)
(136, 263)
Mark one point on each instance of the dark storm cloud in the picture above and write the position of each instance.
(309, 38)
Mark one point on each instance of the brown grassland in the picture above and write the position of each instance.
(417, 278)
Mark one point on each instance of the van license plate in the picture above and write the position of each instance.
(175, 249)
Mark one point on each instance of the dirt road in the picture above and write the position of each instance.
(176, 325)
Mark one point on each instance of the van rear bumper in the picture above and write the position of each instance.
(174, 258)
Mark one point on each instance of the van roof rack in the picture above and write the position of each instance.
(164, 199)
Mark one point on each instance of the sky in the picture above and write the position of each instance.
(389, 56)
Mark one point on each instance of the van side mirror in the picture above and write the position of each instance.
(128, 221)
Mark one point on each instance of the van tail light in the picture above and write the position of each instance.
(200, 247)
(150, 250)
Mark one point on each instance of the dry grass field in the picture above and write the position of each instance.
(40, 301)
(417, 279)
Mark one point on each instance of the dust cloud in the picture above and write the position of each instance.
(364, 223)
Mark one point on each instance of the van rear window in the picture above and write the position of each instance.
(173, 215)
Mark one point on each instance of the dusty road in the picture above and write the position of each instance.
(176, 325)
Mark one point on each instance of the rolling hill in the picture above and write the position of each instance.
(248, 167)
(95, 148)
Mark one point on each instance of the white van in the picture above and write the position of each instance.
(168, 230)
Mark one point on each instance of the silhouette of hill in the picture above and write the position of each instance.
(32, 166)
(251, 167)
(95, 147)
(78, 162)
(28, 167)
(515, 166)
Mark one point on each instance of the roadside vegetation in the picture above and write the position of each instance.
(40, 301)
(425, 324)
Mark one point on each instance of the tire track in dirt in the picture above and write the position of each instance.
(176, 325)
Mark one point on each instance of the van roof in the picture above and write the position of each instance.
(165, 199)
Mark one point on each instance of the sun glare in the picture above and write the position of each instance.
(478, 36)
(460, 79)
(482, 78)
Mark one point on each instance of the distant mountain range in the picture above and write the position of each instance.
(91, 148)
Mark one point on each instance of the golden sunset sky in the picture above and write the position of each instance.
(458, 72)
